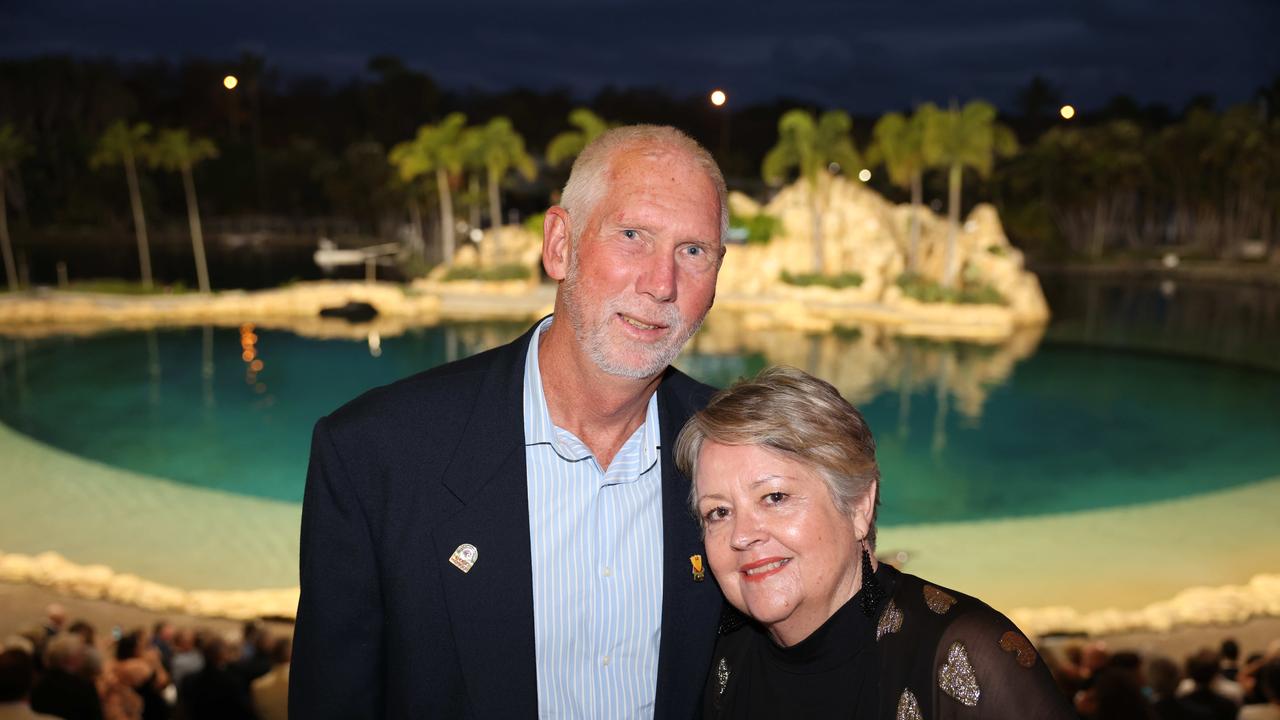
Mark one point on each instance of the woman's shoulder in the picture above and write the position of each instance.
(975, 654)
(939, 611)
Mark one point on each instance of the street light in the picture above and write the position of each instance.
(229, 82)
(718, 97)
(1067, 112)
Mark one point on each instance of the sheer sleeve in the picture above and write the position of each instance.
(984, 667)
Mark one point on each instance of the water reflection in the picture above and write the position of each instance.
(863, 362)
(1238, 322)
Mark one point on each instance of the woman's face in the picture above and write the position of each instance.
(780, 549)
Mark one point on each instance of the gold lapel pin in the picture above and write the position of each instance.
(464, 557)
(698, 573)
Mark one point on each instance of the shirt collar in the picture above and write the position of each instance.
(539, 429)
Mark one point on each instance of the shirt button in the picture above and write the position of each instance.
(608, 571)
(605, 661)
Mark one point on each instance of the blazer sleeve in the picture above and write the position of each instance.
(338, 636)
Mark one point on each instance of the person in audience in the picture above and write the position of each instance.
(215, 693)
(63, 690)
(271, 691)
(55, 619)
(141, 668)
(1164, 675)
(255, 658)
(1202, 670)
(162, 640)
(17, 673)
(1268, 682)
(187, 658)
(1229, 664)
(1117, 693)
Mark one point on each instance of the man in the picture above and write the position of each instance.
(505, 536)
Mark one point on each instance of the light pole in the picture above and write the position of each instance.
(719, 99)
(230, 82)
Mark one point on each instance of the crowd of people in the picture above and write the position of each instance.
(70, 670)
(1208, 685)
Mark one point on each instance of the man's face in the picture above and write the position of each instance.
(642, 274)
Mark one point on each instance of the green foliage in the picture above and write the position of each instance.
(839, 282)
(810, 146)
(898, 144)
(967, 137)
(435, 147)
(510, 271)
(926, 290)
(175, 150)
(533, 223)
(761, 227)
(568, 144)
(120, 143)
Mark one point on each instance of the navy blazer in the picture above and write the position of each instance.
(399, 478)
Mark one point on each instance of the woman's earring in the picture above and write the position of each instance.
(872, 593)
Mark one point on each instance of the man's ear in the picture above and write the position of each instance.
(555, 243)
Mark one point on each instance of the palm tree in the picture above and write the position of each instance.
(813, 147)
(956, 139)
(177, 151)
(435, 149)
(898, 144)
(503, 152)
(569, 143)
(121, 144)
(12, 149)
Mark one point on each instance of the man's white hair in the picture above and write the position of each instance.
(589, 179)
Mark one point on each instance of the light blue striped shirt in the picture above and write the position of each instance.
(596, 542)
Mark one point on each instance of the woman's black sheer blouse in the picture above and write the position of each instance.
(923, 653)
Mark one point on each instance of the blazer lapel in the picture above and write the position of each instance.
(491, 605)
(689, 608)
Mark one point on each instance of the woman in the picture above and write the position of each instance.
(786, 486)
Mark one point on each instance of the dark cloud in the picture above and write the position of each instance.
(865, 56)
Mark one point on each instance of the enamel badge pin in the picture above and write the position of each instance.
(698, 573)
(465, 557)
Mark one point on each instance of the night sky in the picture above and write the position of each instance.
(866, 57)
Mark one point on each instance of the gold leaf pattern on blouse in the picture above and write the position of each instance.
(937, 600)
(908, 708)
(1016, 643)
(956, 677)
(890, 620)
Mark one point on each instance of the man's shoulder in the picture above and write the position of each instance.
(686, 394)
(431, 393)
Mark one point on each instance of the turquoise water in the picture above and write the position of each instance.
(1067, 428)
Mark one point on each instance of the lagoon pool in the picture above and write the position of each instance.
(966, 432)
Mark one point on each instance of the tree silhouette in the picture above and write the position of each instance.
(566, 145)
(898, 144)
(178, 151)
(13, 148)
(435, 149)
(955, 139)
(122, 144)
(812, 147)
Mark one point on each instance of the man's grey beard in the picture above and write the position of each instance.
(591, 338)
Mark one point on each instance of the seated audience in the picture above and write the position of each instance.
(215, 693)
(63, 690)
(1268, 682)
(271, 691)
(17, 673)
(1202, 670)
